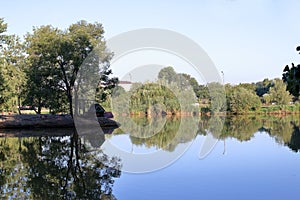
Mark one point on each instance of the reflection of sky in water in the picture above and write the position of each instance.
(255, 169)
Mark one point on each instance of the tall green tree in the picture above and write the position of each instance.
(167, 74)
(3, 82)
(291, 76)
(217, 97)
(57, 55)
(43, 74)
(242, 100)
(279, 94)
(12, 63)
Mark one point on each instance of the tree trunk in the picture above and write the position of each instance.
(70, 103)
(39, 107)
(19, 105)
(76, 103)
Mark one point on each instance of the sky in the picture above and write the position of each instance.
(247, 40)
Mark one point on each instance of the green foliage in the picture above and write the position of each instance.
(241, 100)
(12, 63)
(263, 87)
(247, 86)
(279, 94)
(267, 98)
(202, 92)
(217, 97)
(168, 95)
(149, 96)
(43, 76)
(291, 76)
(55, 57)
(168, 74)
(3, 28)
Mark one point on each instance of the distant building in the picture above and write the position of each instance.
(125, 84)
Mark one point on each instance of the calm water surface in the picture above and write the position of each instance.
(255, 158)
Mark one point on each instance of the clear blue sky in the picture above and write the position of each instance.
(247, 39)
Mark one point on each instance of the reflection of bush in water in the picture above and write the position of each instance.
(285, 129)
(280, 128)
(242, 128)
(175, 131)
(142, 127)
(239, 127)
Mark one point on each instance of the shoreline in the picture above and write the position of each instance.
(31, 121)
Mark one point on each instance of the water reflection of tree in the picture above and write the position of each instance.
(285, 130)
(242, 128)
(12, 175)
(239, 127)
(62, 168)
(176, 130)
(280, 128)
(294, 143)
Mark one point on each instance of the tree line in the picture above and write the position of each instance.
(163, 96)
(41, 71)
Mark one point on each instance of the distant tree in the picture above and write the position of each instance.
(279, 94)
(152, 94)
(217, 97)
(267, 98)
(242, 100)
(202, 92)
(263, 87)
(168, 74)
(248, 86)
(118, 90)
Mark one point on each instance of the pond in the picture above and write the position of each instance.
(250, 157)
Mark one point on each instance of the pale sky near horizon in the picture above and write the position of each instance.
(247, 40)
